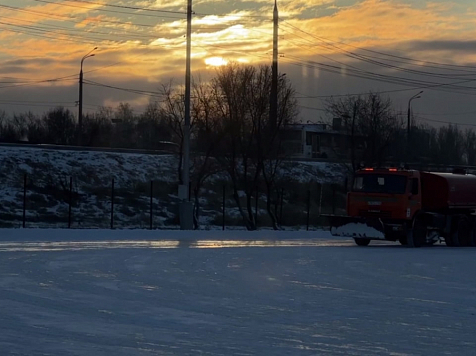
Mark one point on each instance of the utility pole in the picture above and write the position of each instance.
(416, 96)
(273, 101)
(80, 102)
(186, 207)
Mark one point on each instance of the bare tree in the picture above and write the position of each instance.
(152, 127)
(60, 126)
(173, 111)
(237, 94)
(272, 158)
(370, 119)
(470, 146)
(250, 142)
(449, 145)
(206, 138)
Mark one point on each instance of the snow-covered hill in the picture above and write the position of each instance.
(48, 175)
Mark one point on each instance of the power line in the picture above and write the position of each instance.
(104, 10)
(386, 65)
(64, 30)
(33, 83)
(311, 108)
(445, 122)
(386, 78)
(49, 14)
(382, 53)
(129, 7)
(129, 90)
(34, 102)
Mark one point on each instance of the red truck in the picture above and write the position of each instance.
(413, 207)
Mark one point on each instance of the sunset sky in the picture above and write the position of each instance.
(327, 48)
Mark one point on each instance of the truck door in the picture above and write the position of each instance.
(414, 197)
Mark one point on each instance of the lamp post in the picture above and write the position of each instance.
(416, 96)
(407, 151)
(186, 207)
(80, 102)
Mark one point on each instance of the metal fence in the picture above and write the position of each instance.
(67, 202)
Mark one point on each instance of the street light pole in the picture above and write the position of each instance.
(273, 104)
(416, 96)
(186, 207)
(80, 102)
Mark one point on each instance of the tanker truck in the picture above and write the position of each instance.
(413, 207)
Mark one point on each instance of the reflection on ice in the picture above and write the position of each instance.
(163, 244)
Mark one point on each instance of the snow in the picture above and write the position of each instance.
(136, 292)
(357, 230)
(48, 173)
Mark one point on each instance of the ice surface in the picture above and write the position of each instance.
(135, 292)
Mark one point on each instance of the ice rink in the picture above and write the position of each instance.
(133, 292)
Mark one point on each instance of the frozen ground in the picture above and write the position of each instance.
(230, 293)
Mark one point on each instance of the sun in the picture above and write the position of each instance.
(216, 61)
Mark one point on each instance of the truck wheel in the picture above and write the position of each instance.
(417, 236)
(462, 235)
(403, 241)
(473, 236)
(449, 240)
(362, 242)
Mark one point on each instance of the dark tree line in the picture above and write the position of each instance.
(378, 135)
(231, 131)
(108, 127)
(232, 134)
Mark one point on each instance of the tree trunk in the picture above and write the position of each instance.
(274, 220)
(179, 168)
(249, 208)
(248, 224)
(196, 208)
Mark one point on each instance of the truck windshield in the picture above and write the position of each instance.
(380, 183)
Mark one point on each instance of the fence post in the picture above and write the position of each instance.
(308, 208)
(70, 201)
(151, 204)
(223, 212)
(333, 199)
(281, 209)
(112, 204)
(320, 198)
(24, 200)
(256, 207)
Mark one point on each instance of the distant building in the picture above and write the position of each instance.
(319, 141)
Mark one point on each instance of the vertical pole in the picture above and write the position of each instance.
(186, 215)
(281, 208)
(308, 208)
(320, 198)
(70, 201)
(80, 107)
(24, 200)
(112, 204)
(189, 191)
(223, 212)
(273, 102)
(186, 129)
(256, 206)
(151, 203)
(333, 199)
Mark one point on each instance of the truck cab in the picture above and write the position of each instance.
(411, 206)
(389, 194)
